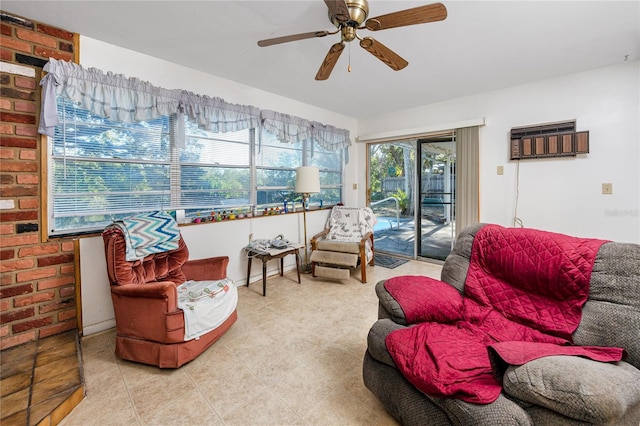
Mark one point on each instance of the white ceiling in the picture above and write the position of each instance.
(481, 46)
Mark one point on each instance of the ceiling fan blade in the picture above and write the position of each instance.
(293, 37)
(382, 52)
(338, 9)
(417, 15)
(329, 61)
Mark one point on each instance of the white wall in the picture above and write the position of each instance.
(562, 194)
(203, 240)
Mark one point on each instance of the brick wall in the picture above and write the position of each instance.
(37, 281)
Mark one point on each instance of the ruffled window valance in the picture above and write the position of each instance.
(129, 100)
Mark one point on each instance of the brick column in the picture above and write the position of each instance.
(37, 281)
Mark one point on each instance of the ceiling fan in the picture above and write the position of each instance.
(349, 15)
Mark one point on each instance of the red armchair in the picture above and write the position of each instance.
(150, 326)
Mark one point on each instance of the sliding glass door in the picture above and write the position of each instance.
(437, 177)
(411, 189)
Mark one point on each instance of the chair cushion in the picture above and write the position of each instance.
(338, 246)
(579, 388)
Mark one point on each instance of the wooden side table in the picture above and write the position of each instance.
(268, 255)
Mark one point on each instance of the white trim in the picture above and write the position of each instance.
(17, 69)
(420, 130)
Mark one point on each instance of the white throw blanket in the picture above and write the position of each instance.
(350, 224)
(206, 305)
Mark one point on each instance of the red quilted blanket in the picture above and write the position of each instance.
(523, 298)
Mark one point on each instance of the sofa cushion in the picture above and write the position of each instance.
(576, 387)
(425, 299)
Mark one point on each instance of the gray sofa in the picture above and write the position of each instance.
(553, 390)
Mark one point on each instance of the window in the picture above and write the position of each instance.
(103, 170)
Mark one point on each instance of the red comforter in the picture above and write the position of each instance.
(523, 298)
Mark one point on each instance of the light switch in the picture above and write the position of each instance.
(355, 186)
(500, 170)
(607, 188)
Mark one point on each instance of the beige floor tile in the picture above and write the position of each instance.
(293, 357)
(263, 409)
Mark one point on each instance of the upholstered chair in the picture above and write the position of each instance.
(150, 326)
(345, 243)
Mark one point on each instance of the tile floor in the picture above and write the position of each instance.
(292, 358)
(40, 381)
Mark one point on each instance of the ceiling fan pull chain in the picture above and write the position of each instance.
(349, 67)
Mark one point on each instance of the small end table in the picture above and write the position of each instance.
(267, 255)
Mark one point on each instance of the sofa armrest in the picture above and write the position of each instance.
(388, 306)
(208, 269)
(158, 290)
(148, 311)
(576, 387)
(318, 236)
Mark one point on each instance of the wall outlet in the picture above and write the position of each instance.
(607, 188)
(355, 186)
(500, 170)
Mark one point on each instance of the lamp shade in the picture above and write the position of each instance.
(307, 180)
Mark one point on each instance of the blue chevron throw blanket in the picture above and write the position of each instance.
(148, 233)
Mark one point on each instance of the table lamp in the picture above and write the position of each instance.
(307, 182)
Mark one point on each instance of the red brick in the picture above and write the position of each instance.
(16, 315)
(38, 250)
(5, 104)
(67, 246)
(50, 330)
(14, 44)
(7, 254)
(18, 118)
(55, 260)
(56, 32)
(31, 324)
(18, 142)
(29, 203)
(67, 291)
(6, 179)
(16, 340)
(6, 55)
(28, 179)
(27, 154)
(19, 240)
(26, 130)
(7, 279)
(13, 93)
(65, 315)
(56, 282)
(67, 269)
(36, 274)
(25, 82)
(18, 191)
(47, 53)
(24, 106)
(6, 229)
(14, 265)
(6, 128)
(57, 305)
(6, 30)
(16, 290)
(43, 296)
(65, 47)
(4, 331)
(7, 153)
(19, 166)
(36, 38)
(20, 214)
(5, 304)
